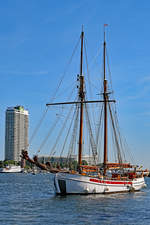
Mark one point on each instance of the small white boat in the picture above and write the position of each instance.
(11, 169)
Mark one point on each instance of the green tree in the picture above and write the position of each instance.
(84, 162)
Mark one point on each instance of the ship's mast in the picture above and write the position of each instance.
(105, 95)
(81, 96)
(82, 101)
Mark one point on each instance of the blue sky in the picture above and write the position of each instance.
(37, 39)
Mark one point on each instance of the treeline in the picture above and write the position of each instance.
(8, 162)
(71, 165)
(12, 162)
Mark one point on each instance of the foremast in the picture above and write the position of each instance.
(81, 102)
(82, 99)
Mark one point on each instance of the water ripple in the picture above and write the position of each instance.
(27, 199)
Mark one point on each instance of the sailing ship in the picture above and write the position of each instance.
(107, 177)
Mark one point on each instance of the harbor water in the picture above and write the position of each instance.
(30, 199)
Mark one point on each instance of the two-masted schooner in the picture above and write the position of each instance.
(108, 177)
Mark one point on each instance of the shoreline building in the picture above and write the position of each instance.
(48, 158)
(16, 132)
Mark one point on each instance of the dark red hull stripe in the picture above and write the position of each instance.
(110, 182)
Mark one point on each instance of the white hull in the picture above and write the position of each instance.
(66, 183)
(11, 169)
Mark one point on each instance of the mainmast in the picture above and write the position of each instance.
(81, 97)
(105, 95)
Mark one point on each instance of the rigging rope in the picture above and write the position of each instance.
(65, 71)
(61, 132)
(115, 136)
(109, 72)
(67, 134)
(74, 134)
(90, 89)
(98, 140)
(122, 139)
(93, 145)
(54, 96)
(48, 135)
(38, 126)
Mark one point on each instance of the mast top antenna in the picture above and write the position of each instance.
(105, 25)
(82, 28)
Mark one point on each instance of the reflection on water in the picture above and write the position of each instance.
(27, 199)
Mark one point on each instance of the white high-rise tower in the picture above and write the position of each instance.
(16, 132)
